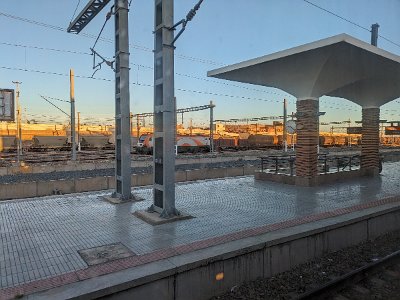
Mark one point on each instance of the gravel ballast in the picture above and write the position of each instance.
(305, 277)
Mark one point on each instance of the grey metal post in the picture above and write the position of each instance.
(175, 130)
(19, 130)
(137, 127)
(122, 110)
(79, 131)
(72, 99)
(164, 111)
(212, 126)
(374, 34)
(284, 124)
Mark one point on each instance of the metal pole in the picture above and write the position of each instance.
(212, 126)
(175, 130)
(284, 124)
(164, 111)
(72, 99)
(122, 110)
(79, 131)
(137, 127)
(19, 130)
(374, 34)
(130, 123)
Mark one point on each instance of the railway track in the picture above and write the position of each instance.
(58, 156)
(377, 280)
(369, 270)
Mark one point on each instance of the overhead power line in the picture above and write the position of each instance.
(336, 15)
(150, 85)
(147, 67)
(137, 84)
(44, 48)
(76, 8)
(103, 39)
(349, 21)
(45, 98)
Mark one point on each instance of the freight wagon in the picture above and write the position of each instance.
(185, 144)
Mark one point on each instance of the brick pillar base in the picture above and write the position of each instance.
(370, 141)
(307, 141)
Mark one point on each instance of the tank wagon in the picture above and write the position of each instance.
(8, 143)
(44, 143)
(185, 144)
(96, 142)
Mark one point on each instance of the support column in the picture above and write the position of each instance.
(284, 133)
(122, 110)
(307, 141)
(370, 141)
(164, 111)
(72, 100)
(211, 127)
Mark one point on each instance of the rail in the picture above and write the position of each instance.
(329, 289)
(286, 164)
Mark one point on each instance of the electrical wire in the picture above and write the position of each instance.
(137, 84)
(45, 98)
(44, 48)
(106, 40)
(76, 8)
(148, 67)
(349, 21)
(57, 99)
(336, 15)
(150, 85)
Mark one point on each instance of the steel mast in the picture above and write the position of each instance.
(122, 110)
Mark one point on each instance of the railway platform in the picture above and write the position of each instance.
(79, 245)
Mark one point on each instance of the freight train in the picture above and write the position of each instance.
(190, 144)
(57, 143)
(184, 144)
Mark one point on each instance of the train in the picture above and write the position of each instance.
(194, 144)
(42, 143)
(185, 143)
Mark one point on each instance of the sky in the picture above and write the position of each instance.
(223, 32)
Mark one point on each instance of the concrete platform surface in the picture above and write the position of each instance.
(41, 238)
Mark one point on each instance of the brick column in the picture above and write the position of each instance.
(307, 141)
(370, 141)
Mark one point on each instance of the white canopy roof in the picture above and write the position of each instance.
(339, 66)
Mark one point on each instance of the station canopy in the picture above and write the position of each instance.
(339, 66)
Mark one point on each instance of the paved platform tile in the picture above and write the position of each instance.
(40, 238)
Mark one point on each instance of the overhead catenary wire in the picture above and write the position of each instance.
(106, 40)
(151, 85)
(76, 8)
(349, 21)
(148, 67)
(177, 73)
(45, 98)
(137, 84)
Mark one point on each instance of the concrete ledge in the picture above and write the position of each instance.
(53, 187)
(180, 176)
(249, 170)
(214, 270)
(91, 184)
(20, 190)
(280, 178)
(78, 185)
(307, 182)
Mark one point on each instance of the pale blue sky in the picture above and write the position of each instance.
(223, 32)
